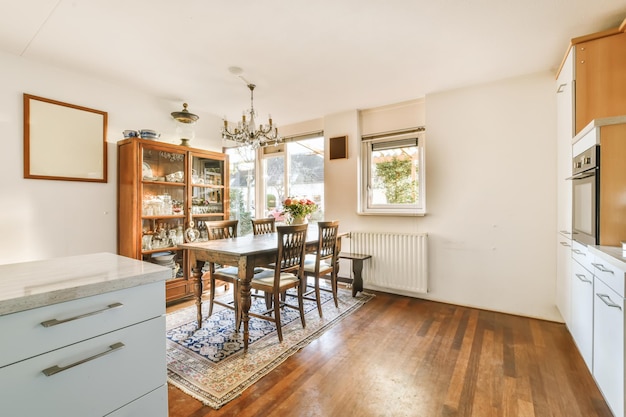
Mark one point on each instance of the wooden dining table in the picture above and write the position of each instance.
(246, 253)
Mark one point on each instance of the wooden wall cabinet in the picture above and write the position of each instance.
(600, 76)
(164, 189)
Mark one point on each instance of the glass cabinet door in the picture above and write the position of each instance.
(163, 207)
(207, 192)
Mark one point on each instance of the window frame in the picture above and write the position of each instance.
(365, 175)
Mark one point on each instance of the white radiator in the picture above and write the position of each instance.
(399, 261)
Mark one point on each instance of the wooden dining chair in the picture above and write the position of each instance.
(263, 226)
(323, 264)
(288, 273)
(224, 229)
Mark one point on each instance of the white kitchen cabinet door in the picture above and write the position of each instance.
(565, 133)
(582, 311)
(608, 351)
(563, 277)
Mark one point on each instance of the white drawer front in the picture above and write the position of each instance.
(609, 274)
(581, 318)
(95, 387)
(581, 254)
(27, 337)
(153, 404)
(608, 351)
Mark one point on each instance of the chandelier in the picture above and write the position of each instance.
(246, 132)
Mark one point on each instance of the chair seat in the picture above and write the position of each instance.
(309, 265)
(266, 278)
(229, 271)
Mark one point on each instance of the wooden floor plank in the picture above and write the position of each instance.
(402, 356)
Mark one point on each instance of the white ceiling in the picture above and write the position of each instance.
(308, 58)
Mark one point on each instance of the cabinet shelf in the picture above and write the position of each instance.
(157, 250)
(166, 183)
(195, 215)
(164, 216)
(217, 187)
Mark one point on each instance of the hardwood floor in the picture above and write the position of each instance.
(401, 356)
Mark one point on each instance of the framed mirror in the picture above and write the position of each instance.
(63, 141)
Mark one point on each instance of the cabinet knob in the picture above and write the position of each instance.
(582, 62)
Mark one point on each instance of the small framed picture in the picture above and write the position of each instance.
(338, 147)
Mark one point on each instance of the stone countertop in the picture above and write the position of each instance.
(611, 254)
(28, 285)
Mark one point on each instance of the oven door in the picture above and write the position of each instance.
(585, 220)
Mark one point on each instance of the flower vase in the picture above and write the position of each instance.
(299, 220)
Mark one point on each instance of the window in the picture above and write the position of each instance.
(294, 168)
(297, 172)
(392, 174)
(242, 161)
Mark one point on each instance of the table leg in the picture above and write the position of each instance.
(246, 272)
(196, 273)
(357, 268)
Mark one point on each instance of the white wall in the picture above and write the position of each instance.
(42, 218)
(490, 164)
(490, 167)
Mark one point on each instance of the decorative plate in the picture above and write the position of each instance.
(147, 170)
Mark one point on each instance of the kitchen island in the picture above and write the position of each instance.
(83, 336)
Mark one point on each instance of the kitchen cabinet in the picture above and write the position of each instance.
(564, 273)
(166, 192)
(565, 131)
(609, 133)
(600, 77)
(608, 326)
(80, 327)
(581, 320)
(612, 140)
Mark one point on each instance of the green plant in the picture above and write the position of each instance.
(398, 184)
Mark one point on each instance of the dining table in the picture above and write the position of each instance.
(246, 253)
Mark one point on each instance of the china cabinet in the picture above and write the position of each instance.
(166, 193)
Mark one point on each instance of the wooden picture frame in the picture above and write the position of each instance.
(338, 147)
(63, 141)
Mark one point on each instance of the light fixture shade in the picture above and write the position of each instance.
(184, 116)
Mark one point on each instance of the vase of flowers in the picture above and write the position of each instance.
(298, 210)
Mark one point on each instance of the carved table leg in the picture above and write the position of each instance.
(246, 298)
(196, 274)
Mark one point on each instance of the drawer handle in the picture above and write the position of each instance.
(602, 268)
(56, 369)
(583, 278)
(605, 297)
(54, 322)
(577, 252)
(565, 244)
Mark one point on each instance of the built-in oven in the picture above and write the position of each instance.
(585, 196)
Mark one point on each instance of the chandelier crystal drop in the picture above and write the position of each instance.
(246, 133)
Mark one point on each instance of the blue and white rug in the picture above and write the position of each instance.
(210, 364)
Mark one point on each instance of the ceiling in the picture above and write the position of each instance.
(307, 58)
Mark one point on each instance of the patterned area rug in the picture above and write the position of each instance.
(209, 363)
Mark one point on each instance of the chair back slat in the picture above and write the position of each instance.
(291, 246)
(263, 226)
(327, 245)
(222, 229)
